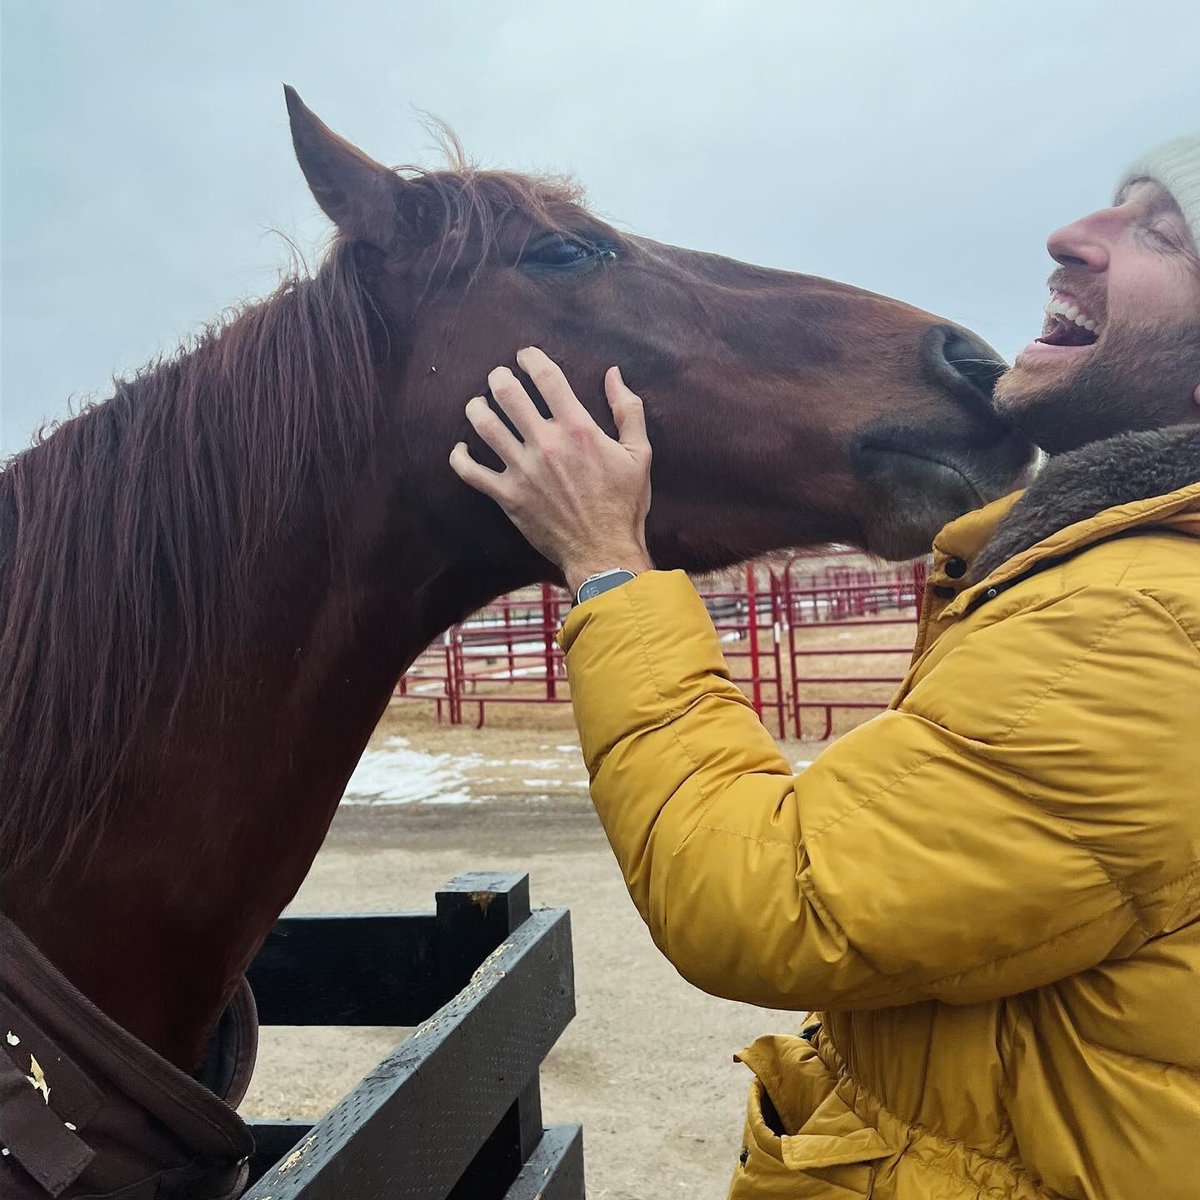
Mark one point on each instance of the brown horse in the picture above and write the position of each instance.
(210, 582)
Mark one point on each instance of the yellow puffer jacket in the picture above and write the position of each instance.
(992, 890)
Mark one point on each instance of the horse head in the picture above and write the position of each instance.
(784, 409)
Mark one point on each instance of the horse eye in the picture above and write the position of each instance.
(561, 250)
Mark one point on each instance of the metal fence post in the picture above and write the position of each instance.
(548, 631)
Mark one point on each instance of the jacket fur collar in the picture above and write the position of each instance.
(1074, 487)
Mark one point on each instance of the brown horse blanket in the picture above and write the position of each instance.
(87, 1110)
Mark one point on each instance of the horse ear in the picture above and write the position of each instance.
(360, 196)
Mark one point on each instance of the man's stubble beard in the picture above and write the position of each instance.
(1138, 378)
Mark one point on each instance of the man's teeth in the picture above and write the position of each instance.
(1068, 311)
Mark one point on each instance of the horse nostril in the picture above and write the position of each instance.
(974, 361)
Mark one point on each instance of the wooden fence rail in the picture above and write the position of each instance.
(454, 1111)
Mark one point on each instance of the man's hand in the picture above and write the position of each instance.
(578, 496)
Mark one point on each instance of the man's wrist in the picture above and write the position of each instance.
(632, 558)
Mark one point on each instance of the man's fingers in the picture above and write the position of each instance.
(482, 479)
(551, 383)
(512, 397)
(493, 430)
(627, 410)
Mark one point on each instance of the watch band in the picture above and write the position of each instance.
(601, 582)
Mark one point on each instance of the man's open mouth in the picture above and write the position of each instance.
(1067, 323)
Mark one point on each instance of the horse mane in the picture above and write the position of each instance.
(131, 534)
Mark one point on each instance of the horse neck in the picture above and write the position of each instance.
(222, 810)
(220, 823)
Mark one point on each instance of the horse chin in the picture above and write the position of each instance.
(917, 482)
(899, 537)
(917, 498)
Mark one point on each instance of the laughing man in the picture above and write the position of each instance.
(991, 892)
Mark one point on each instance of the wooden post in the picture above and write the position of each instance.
(476, 911)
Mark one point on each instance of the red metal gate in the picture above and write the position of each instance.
(748, 620)
(507, 654)
(850, 632)
(821, 635)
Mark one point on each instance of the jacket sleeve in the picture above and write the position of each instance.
(1006, 825)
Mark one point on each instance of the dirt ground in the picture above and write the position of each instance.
(646, 1066)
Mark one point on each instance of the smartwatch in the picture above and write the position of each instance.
(603, 581)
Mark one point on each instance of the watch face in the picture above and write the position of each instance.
(591, 588)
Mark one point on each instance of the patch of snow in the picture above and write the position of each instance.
(397, 774)
(532, 764)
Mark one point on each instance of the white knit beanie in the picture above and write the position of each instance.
(1176, 166)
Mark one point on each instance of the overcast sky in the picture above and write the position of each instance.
(922, 149)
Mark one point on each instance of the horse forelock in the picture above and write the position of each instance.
(462, 209)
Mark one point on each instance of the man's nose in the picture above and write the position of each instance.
(1082, 244)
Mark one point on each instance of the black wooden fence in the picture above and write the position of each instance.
(454, 1112)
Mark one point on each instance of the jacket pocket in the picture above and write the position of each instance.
(802, 1141)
